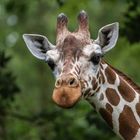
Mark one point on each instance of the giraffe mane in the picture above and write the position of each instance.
(126, 78)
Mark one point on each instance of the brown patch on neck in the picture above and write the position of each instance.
(112, 96)
(98, 74)
(126, 91)
(138, 109)
(94, 83)
(110, 75)
(109, 108)
(128, 126)
(102, 77)
(107, 116)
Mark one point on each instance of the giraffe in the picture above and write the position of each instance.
(81, 72)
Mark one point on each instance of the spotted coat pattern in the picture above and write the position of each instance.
(119, 103)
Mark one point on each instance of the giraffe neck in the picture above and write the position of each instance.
(118, 102)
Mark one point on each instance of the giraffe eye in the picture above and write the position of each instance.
(51, 63)
(95, 58)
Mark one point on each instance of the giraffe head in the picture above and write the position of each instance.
(75, 59)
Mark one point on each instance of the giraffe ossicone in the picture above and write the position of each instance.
(77, 63)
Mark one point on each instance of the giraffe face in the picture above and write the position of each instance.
(75, 67)
(75, 59)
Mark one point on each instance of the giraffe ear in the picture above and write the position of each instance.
(38, 45)
(107, 36)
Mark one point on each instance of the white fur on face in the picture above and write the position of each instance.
(87, 68)
(88, 71)
(53, 54)
(90, 49)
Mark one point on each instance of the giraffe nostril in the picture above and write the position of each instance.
(72, 82)
(58, 83)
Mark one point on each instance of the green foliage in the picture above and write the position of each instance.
(32, 114)
(8, 90)
(8, 87)
(131, 21)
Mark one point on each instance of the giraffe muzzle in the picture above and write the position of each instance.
(67, 91)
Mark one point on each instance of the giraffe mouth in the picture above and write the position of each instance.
(66, 97)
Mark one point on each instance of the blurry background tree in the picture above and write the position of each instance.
(8, 90)
(31, 114)
(131, 21)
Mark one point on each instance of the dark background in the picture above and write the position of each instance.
(26, 108)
